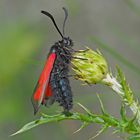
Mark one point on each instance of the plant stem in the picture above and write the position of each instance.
(112, 82)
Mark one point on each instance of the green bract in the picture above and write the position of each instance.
(89, 66)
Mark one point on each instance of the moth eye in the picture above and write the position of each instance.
(68, 42)
(65, 41)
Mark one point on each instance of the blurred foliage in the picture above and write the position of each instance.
(131, 41)
(21, 40)
(73, 5)
(17, 45)
(116, 55)
(135, 8)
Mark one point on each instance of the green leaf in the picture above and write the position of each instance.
(104, 119)
(82, 126)
(104, 127)
(59, 117)
(133, 6)
(27, 127)
(128, 95)
(102, 106)
(42, 120)
(84, 108)
(123, 113)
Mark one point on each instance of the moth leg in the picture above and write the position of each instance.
(81, 51)
(49, 101)
(67, 75)
(67, 113)
(79, 58)
(77, 50)
(73, 56)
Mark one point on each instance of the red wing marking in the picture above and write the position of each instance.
(48, 92)
(42, 88)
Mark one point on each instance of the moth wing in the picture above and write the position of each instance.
(43, 83)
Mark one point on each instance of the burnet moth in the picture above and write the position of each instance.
(53, 84)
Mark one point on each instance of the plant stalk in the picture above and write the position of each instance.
(112, 82)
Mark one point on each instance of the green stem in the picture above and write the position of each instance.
(117, 87)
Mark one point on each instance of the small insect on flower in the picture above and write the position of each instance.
(53, 83)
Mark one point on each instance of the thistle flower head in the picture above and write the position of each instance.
(89, 66)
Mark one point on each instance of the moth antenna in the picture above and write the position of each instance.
(65, 19)
(52, 18)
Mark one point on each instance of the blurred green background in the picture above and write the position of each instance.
(113, 26)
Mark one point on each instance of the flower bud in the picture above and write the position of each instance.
(89, 66)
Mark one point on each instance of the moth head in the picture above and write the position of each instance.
(67, 42)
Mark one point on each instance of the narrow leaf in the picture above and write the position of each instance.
(82, 126)
(84, 108)
(100, 131)
(123, 113)
(102, 106)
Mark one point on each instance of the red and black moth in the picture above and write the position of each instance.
(53, 84)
